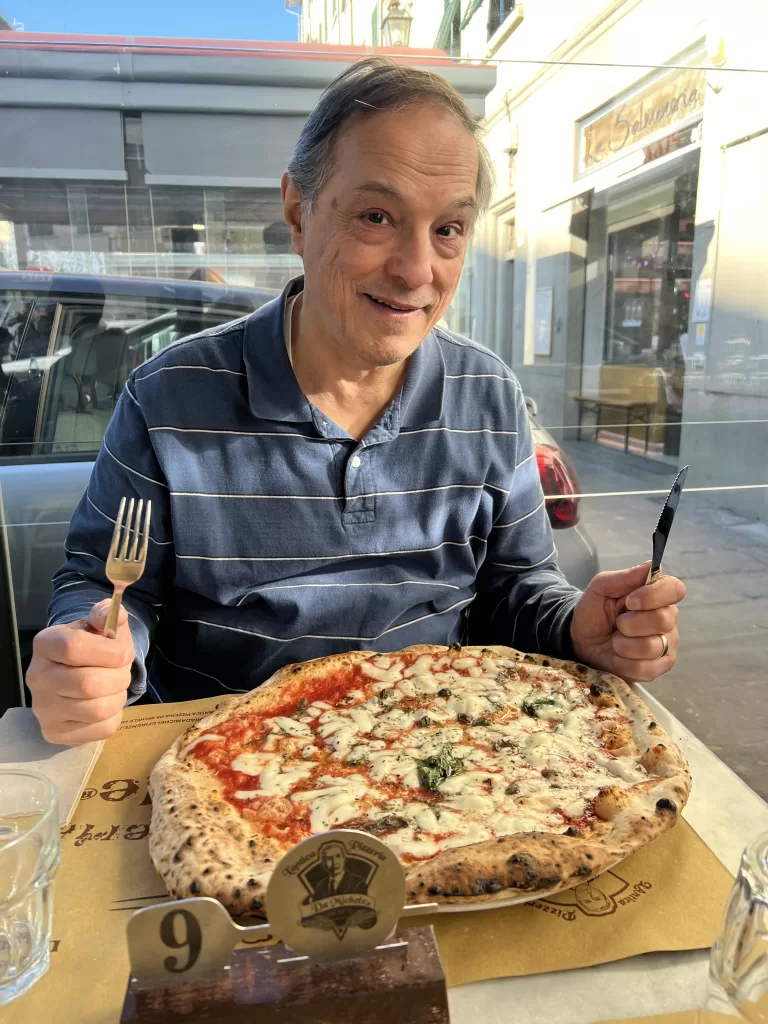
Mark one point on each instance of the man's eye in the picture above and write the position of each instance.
(376, 217)
(449, 231)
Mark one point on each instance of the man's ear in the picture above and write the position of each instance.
(293, 214)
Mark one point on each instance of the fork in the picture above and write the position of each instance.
(124, 567)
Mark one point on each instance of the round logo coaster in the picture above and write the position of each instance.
(336, 894)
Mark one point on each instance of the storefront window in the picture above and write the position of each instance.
(233, 235)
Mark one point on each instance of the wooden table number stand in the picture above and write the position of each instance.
(400, 981)
(334, 900)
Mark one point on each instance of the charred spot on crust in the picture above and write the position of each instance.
(512, 789)
(574, 833)
(256, 904)
(189, 840)
(251, 843)
(251, 882)
(206, 871)
(193, 807)
(464, 719)
(598, 689)
(486, 885)
(434, 890)
(545, 661)
(548, 883)
(194, 888)
(295, 669)
(666, 805)
(529, 657)
(652, 725)
(482, 720)
(444, 691)
(236, 894)
(487, 652)
(228, 877)
(455, 892)
(581, 668)
(581, 872)
(455, 647)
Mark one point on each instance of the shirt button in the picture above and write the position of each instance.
(356, 462)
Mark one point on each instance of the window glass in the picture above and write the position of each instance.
(61, 385)
(28, 324)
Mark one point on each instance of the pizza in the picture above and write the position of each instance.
(494, 775)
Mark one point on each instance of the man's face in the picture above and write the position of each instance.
(333, 861)
(389, 229)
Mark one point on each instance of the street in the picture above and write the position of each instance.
(718, 686)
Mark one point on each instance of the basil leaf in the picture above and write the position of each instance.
(531, 704)
(438, 767)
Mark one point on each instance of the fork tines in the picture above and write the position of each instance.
(131, 533)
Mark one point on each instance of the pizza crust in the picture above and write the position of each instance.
(201, 845)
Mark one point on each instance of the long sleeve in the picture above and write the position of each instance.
(125, 467)
(523, 600)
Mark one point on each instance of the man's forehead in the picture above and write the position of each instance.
(407, 151)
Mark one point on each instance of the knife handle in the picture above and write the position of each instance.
(652, 576)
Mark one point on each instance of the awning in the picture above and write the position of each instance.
(39, 142)
(218, 149)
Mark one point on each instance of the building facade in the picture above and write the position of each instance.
(620, 269)
(158, 157)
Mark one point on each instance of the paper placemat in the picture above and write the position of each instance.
(669, 896)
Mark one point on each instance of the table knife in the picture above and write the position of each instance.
(664, 525)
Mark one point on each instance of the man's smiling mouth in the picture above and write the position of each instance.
(397, 307)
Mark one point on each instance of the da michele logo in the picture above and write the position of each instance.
(336, 884)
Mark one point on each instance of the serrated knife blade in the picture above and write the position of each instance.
(664, 525)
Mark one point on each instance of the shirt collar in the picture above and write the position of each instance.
(274, 392)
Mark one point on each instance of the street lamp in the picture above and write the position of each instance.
(396, 26)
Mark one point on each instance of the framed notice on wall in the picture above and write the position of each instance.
(542, 342)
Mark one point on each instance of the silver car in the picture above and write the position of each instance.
(67, 344)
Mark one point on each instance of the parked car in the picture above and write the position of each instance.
(67, 344)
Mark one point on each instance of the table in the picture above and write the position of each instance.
(727, 815)
(634, 413)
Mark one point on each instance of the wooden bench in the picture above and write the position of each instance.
(635, 412)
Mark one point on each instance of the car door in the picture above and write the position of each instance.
(60, 392)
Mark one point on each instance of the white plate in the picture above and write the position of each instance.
(514, 901)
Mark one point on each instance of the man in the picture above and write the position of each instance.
(334, 472)
(337, 879)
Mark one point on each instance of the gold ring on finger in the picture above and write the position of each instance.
(664, 645)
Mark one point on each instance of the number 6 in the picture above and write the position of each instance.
(192, 938)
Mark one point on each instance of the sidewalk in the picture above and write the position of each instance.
(719, 687)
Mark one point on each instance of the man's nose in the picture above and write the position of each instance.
(412, 261)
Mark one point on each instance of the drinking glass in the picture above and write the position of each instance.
(738, 974)
(29, 855)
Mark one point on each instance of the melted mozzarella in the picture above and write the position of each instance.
(501, 789)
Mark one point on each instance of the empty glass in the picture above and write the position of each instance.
(738, 975)
(29, 856)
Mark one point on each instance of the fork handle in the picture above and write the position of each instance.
(110, 630)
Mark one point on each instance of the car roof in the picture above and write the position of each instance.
(87, 284)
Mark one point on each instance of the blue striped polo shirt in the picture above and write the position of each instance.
(277, 537)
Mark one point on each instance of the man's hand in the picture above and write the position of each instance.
(618, 622)
(78, 678)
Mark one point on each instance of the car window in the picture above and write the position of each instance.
(102, 341)
(62, 386)
(27, 327)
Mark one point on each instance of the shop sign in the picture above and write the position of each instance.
(675, 98)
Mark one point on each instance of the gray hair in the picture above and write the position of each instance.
(366, 88)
